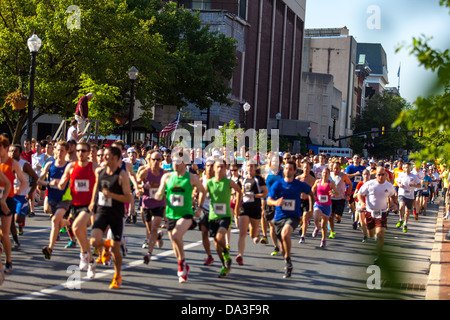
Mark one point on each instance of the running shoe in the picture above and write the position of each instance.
(399, 224)
(405, 228)
(239, 260)
(147, 258)
(288, 270)
(302, 240)
(182, 268)
(145, 244)
(117, 282)
(323, 243)
(364, 240)
(332, 235)
(315, 232)
(264, 240)
(106, 256)
(8, 268)
(71, 244)
(208, 261)
(275, 252)
(84, 261)
(224, 272)
(91, 269)
(184, 278)
(47, 252)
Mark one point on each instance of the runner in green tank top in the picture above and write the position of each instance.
(220, 215)
(179, 186)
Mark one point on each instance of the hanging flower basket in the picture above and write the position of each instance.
(20, 104)
(120, 119)
(17, 100)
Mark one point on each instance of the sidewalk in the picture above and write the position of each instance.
(438, 286)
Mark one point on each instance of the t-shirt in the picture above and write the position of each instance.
(353, 169)
(252, 186)
(377, 194)
(405, 180)
(291, 193)
(426, 183)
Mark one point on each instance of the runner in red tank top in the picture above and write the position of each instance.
(81, 175)
(8, 168)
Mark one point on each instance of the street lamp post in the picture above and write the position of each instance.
(308, 137)
(323, 141)
(34, 44)
(278, 116)
(132, 74)
(246, 107)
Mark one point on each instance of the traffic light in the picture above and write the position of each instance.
(383, 130)
(420, 132)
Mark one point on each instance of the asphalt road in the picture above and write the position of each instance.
(342, 271)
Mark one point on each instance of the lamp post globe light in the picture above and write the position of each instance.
(278, 117)
(34, 44)
(132, 74)
(308, 130)
(246, 107)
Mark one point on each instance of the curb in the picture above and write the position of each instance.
(434, 275)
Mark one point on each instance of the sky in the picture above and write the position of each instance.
(391, 23)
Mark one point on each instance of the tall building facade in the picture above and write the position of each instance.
(268, 74)
(333, 51)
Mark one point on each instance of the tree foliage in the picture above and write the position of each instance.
(381, 111)
(179, 62)
(432, 112)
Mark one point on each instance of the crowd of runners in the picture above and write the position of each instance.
(92, 191)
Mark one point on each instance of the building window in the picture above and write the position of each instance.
(243, 9)
(195, 4)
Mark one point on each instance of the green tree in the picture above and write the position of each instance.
(178, 61)
(382, 110)
(432, 112)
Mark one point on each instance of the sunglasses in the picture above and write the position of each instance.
(82, 150)
(100, 155)
(158, 159)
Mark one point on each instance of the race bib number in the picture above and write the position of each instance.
(323, 198)
(377, 214)
(177, 200)
(249, 197)
(288, 205)
(357, 179)
(406, 192)
(104, 201)
(220, 208)
(81, 185)
(152, 192)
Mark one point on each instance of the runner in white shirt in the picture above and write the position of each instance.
(417, 191)
(406, 182)
(376, 193)
(318, 167)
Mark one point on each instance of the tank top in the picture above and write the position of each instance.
(323, 194)
(179, 196)
(148, 198)
(207, 198)
(8, 171)
(340, 186)
(27, 179)
(111, 182)
(54, 172)
(220, 196)
(82, 182)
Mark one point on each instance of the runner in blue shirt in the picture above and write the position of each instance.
(354, 172)
(285, 194)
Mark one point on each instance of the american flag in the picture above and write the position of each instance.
(170, 127)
